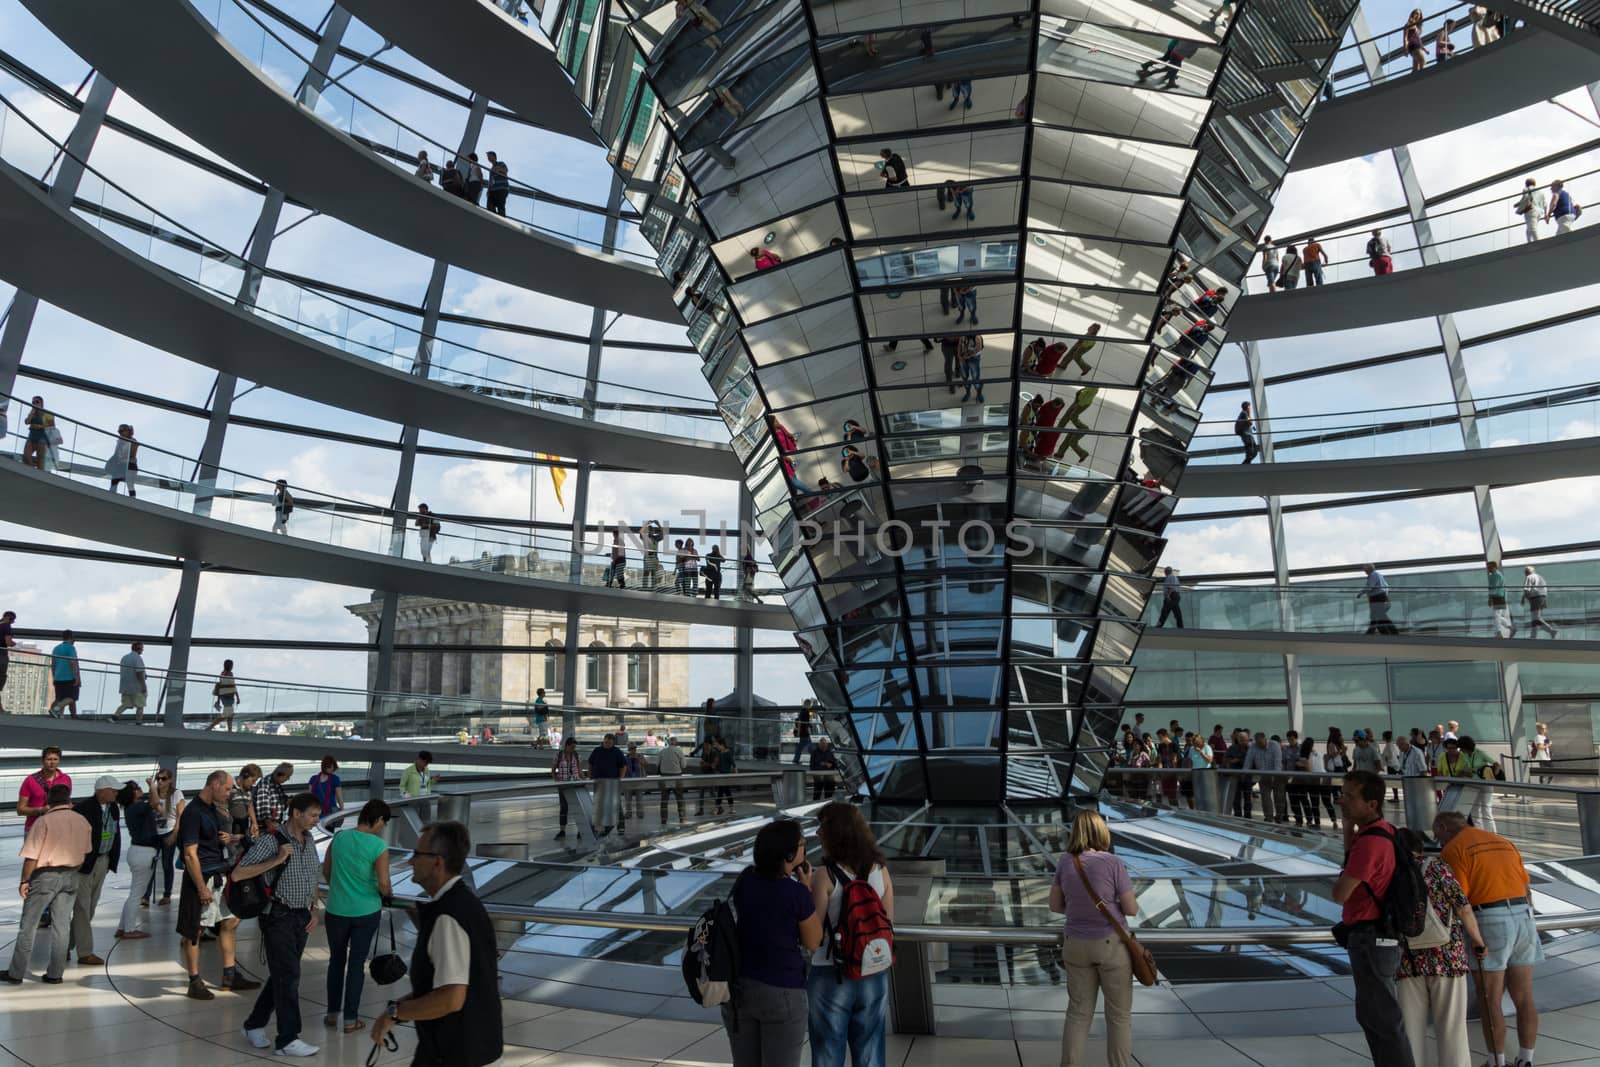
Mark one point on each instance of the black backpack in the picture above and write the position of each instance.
(250, 897)
(1403, 910)
(711, 956)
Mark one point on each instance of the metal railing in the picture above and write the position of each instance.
(95, 455)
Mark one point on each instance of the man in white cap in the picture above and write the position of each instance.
(105, 849)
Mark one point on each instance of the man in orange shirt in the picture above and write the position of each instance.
(56, 846)
(1495, 880)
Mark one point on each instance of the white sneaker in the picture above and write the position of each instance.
(297, 1048)
(257, 1037)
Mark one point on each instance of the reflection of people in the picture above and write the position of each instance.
(894, 169)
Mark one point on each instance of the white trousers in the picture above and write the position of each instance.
(1483, 806)
(1564, 223)
(140, 858)
(1503, 626)
(1445, 1001)
(426, 540)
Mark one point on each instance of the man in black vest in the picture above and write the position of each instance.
(455, 991)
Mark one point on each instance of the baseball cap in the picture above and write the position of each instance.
(107, 781)
(1360, 735)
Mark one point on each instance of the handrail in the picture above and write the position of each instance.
(211, 249)
(486, 537)
(1276, 423)
(990, 935)
(331, 82)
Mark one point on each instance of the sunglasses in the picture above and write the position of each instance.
(163, 777)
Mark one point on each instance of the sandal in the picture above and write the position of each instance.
(355, 1027)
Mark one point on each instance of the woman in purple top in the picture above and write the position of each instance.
(777, 917)
(1095, 957)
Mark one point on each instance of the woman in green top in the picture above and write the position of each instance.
(356, 868)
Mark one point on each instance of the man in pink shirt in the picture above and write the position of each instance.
(54, 849)
(36, 787)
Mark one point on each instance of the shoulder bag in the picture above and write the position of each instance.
(387, 968)
(1144, 964)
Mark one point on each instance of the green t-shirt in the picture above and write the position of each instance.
(415, 783)
(352, 878)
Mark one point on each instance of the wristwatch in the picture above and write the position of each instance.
(394, 1010)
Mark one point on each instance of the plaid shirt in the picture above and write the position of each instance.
(270, 801)
(295, 882)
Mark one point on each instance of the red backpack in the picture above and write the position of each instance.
(862, 944)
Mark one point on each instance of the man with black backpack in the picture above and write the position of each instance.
(286, 862)
(1383, 895)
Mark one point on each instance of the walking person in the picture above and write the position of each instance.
(415, 780)
(1536, 594)
(427, 532)
(1431, 984)
(123, 466)
(1503, 626)
(670, 763)
(66, 676)
(1378, 254)
(288, 920)
(499, 184)
(1494, 878)
(166, 801)
(1245, 427)
(1269, 262)
(607, 765)
(1533, 206)
(1092, 890)
(270, 798)
(1376, 592)
(777, 920)
(144, 844)
(634, 797)
(1267, 757)
(711, 571)
(802, 731)
(224, 697)
(1412, 32)
(725, 765)
(1561, 209)
(749, 569)
(568, 768)
(282, 507)
(1171, 598)
(53, 849)
(455, 994)
(424, 168)
(474, 179)
(894, 169)
(824, 764)
(356, 868)
(40, 424)
(1313, 255)
(131, 683)
(1289, 268)
(1539, 751)
(969, 354)
(202, 904)
(104, 816)
(1481, 767)
(241, 809)
(327, 786)
(617, 571)
(651, 536)
(846, 1014)
(1369, 867)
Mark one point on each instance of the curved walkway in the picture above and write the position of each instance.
(477, 44)
(1552, 265)
(77, 510)
(61, 258)
(1362, 646)
(174, 62)
(1525, 68)
(1511, 465)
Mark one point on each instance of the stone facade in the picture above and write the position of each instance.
(27, 689)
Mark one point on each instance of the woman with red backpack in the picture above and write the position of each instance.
(848, 987)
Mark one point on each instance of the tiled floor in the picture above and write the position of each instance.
(131, 1013)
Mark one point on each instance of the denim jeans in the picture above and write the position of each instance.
(766, 1025)
(1372, 968)
(847, 1016)
(283, 931)
(349, 941)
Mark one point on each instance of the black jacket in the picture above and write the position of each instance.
(89, 808)
(472, 1036)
